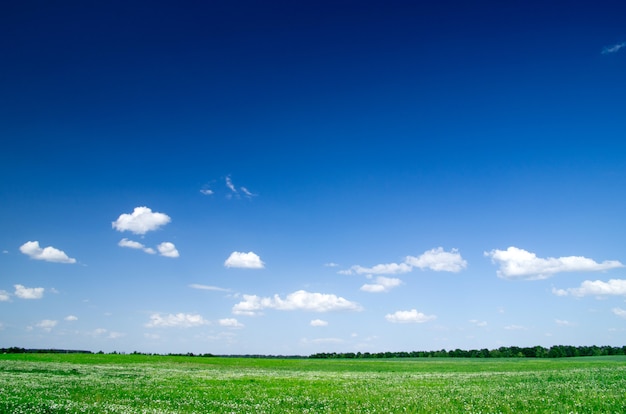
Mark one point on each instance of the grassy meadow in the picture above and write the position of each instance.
(90, 383)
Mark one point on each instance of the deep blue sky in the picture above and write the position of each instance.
(325, 138)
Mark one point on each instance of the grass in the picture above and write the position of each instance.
(76, 383)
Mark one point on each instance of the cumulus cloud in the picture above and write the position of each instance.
(383, 284)
(49, 254)
(4, 296)
(46, 324)
(619, 312)
(179, 320)
(614, 287)
(242, 260)
(140, 221)
(439, 260)
(168, 249)
(71, 318)
(207, 287)
(410, 316)
(299, 300)
(230, 323)
(613, 49)
(135, 245)
(318, 322)
(518, 263)
(23, 292)
(435, 259)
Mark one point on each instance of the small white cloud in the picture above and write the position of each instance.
(179, 320)
(135, 245)
(383, 284)
(331, 264)
(613, 49)
(46, 324)
(230, 185)
(247, 193)
(230, 323)
(115, 335)
(242, 260)
(478, 323)
(141, 221)
(614, 287)
(562, 322)
(207, 287)
(318, 322)
(435, 259)
(168, 249)
(518, 263)
(619, 312)
(5, 296)
(48, 254)
(23, 292)
(299, 300)
(439, 260)
(411, 316)
(207, 191)
(71, 318)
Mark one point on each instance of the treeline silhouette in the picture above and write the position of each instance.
(556, 351)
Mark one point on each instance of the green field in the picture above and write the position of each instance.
(76, 383)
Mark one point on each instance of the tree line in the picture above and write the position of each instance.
(556, 351)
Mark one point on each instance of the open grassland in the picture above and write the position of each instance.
(60, 383)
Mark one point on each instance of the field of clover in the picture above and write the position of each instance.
(74, 383)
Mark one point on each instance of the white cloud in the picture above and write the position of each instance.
(613, 49)
(230, 185)
(562, 322)
(411, 316)
(331, 264)
(179, 320)
(299, 300)
(619, 312)
(230, 323)
(206, 191)
(4, 296)
(383, 284)
(435, 259)
(168, 249)
(49, 254)
(247, 193)
(71, 318)
(439, 260)
(478, 323)
(242, 260)
(614, 287)
(141, 221)
(207, 287)
(23, 292)
(46, 324)
(135, 245)
(518, 263)
(318, 322)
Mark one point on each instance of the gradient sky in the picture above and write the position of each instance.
(290, 177)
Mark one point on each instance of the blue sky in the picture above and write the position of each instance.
(297, 177)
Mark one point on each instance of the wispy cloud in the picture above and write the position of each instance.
(516, 263)
(48, 254)
(135, 245)
(619, 312)
(436, 259)
(179, 320)
(46, 324)
(613, 49)
(410, 316)
(207, 287)
(23, 292)
(299, 300)
(242, 260)
(614, 287)
(382, 284)
(478, 323)
(141, 221)
(230, 323)
(5, 296)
